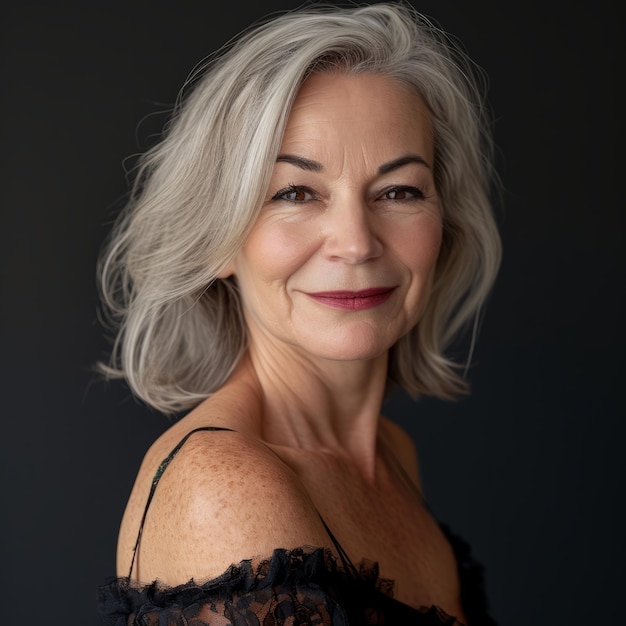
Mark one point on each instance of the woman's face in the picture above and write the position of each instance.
(340, 262)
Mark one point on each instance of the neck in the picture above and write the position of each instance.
(330, 406)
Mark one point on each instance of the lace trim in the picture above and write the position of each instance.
(304, 586)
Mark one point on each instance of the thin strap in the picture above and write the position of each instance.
(343, 555)
(155, 481)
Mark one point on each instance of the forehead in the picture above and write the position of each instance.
(364, 109)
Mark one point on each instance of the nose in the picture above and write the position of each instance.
(351, 233)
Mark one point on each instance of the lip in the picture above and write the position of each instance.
(353, 300)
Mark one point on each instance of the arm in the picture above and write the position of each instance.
(224, 496)
(227, 487)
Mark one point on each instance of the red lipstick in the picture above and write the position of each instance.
(353, 300)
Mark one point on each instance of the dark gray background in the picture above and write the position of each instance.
(529, 469)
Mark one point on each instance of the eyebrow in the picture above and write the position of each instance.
(314, 166)
(404, 160)
(301, 162)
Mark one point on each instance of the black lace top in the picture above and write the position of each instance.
(306, 586)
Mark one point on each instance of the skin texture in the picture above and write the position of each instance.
(351, 206)
(339, 228)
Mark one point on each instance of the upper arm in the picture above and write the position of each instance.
(224, 498)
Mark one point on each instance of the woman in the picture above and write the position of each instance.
(313, 229)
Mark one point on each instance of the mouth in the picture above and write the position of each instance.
(353, 300)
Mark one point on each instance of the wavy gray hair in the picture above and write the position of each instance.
(179, 329)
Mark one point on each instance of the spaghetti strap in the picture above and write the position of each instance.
(343, 555)
(155, 481)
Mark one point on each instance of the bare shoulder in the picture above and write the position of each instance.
(224, 497)
(403, 448)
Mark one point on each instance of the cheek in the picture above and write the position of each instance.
(420, 246)
(275, 252)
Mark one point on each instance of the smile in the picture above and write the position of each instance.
(353, 300)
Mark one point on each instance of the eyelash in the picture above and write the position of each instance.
(416, 193)
(280, 195)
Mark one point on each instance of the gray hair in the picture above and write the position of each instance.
(179, 329)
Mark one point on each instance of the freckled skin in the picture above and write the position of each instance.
(305, 399)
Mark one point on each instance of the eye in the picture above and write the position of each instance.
(403, 193)
(294, 194)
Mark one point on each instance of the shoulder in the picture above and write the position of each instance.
(403, 447)
(223, 498)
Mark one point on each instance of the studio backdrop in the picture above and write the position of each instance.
(529, 468)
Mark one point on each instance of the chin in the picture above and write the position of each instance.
(352, 346)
